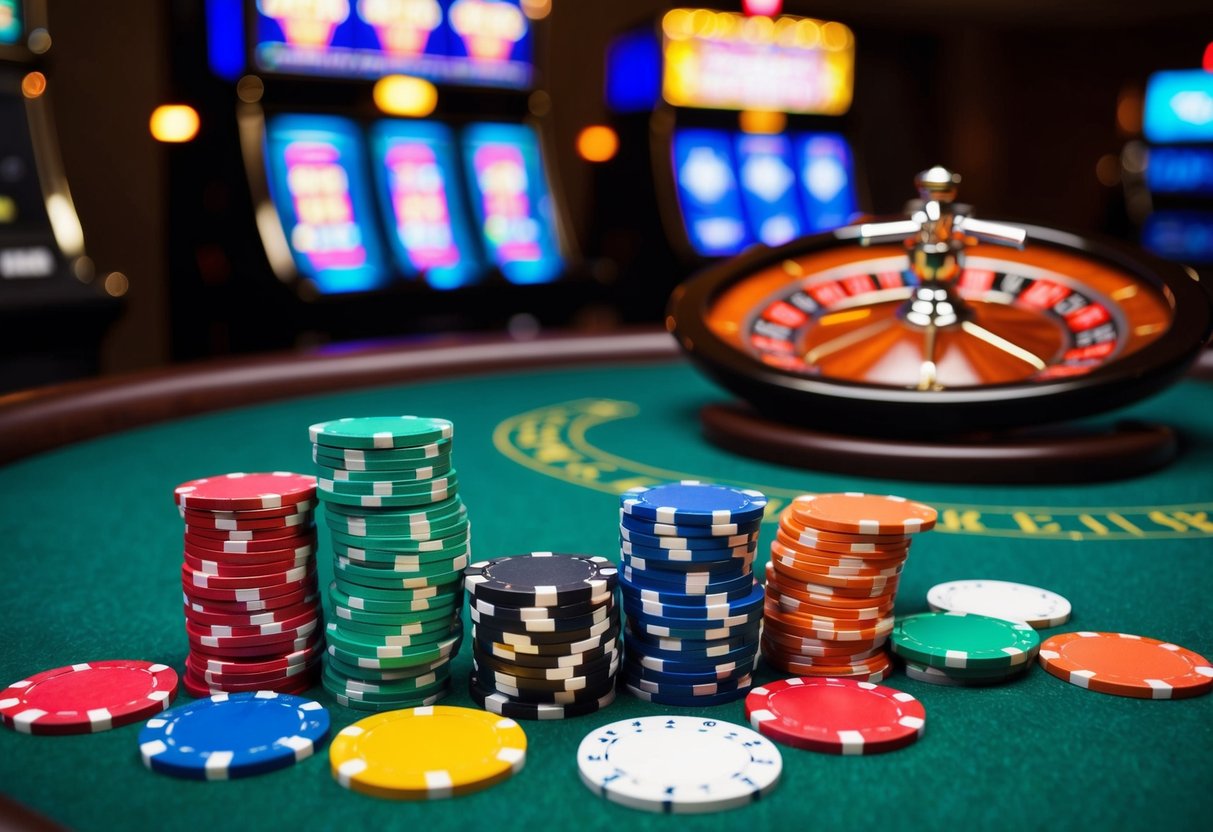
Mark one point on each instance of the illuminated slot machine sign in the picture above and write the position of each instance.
(416, 172)
(1178, 124)
(730, 61)
(512, 201)
(316, 166)
(475, 42)
(736, 188)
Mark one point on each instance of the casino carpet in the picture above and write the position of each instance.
(93, 543)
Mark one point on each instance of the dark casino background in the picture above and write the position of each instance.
(1038, 106)
(951, 258)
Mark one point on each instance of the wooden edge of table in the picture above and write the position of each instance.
(37, 420)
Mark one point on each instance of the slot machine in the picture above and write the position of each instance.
(52, 315)
(375, 168)
(733, 133)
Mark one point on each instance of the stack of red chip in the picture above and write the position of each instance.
(252, 607)
(832, 581)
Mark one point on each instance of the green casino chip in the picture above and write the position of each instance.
(422, 472)
(431, 513)
(377, 676)
(955, 640)
(448, 482)
(346, 615)
(385, 694)
(383, 646)
(452, 543)
(355, 527)
(432, 495)
(448, 582)
(397, 657)
(385, 458)
(409, 628)
(380, 559)
(391, 578)
(380, 432)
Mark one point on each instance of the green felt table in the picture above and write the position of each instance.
(92, 551)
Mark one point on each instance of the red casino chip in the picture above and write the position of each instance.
(264, 664)
(295, 685)
(89, 697)
(240, 492)
(836, 716)
(303, 539)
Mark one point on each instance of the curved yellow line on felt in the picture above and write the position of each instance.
(584, 463)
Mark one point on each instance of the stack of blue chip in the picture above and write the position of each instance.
(694, 610)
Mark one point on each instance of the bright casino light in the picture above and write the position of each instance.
(705, 175)
(174, 123)
(768, 7)
(404, 95)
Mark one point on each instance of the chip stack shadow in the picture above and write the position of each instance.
(252, 607)
(694, 610)
(401, 539)
(545, 634)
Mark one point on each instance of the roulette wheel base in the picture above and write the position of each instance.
(1032, 455)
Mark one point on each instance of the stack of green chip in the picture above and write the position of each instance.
(958, 648)
(401, 539)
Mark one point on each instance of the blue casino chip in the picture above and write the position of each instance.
(687, 660)
(705, 701)
(687, 606)
(686, 584)
(646, 591)
(655, 541)
(233, 735)
(694, 503)
(740, 621)
(706, 532)
(688, 556)
(644, 626)
(697, 691)
(678, 572)
(730, 671)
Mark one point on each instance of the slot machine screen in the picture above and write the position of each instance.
(708, 193)
(1179, 107)
(1180, 170)
(827, 177)
(316, 170)
(478, 42)
(768, 187)
(1186, 236)
(512, 201)
(419, 189)
(10, 22)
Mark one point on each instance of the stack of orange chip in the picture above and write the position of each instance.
(832, 580)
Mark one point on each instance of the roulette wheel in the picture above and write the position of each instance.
(922, 345)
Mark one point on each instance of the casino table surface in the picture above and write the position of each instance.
(547, 434)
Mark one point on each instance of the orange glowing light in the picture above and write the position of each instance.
(597, 143)
(762, 121)
(33, 85)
